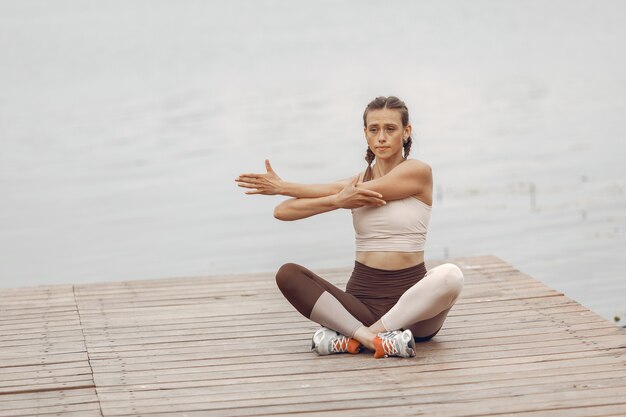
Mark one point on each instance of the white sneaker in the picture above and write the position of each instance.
(396, 343)
(327, 341)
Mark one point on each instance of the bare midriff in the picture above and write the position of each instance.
(390, 260)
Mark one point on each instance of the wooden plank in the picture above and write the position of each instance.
(43, 398)
(78, 409)
(81, 369)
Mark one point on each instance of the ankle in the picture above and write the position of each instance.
(365, 336)
(377, 327)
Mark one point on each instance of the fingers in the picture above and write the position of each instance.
(363, 190)
(246, 185)
(250, 179)
(268, 167)
(369, 193)
(375, 202)
(247, 177)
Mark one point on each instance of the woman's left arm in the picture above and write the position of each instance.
(271, 184)
(409, 178)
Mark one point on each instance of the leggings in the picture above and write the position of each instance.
(409, 298)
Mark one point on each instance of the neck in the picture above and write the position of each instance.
(383, 166)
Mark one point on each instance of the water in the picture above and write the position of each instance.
(123, 125)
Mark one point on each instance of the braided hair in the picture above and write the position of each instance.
(380, 103)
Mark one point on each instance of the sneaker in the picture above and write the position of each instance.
(326, 341)
(397, 343)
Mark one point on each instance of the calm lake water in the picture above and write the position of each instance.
(123, 125)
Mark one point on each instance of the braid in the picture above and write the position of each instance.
(369, 158)
(407, 147)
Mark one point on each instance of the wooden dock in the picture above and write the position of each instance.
(232, 346)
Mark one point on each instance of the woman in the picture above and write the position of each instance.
(390, 301)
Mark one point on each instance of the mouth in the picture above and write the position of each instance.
(382, 148)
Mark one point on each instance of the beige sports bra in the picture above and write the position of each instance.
(398, 226)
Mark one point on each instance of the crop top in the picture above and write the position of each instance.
(398, 226)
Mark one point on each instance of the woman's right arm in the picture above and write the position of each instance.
(301, 208)
(348, 197)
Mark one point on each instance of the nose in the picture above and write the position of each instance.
(381, 136)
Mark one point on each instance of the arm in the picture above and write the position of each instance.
(411, 177)
(301, 208)
(348, 197)
(293, 189)
(271, 184)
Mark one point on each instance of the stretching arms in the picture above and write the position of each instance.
(310, 199)
(348, 197)
(409, 178)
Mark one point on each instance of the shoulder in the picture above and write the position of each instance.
(416, 168)
(416, 164)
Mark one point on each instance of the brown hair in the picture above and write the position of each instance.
(380, 103)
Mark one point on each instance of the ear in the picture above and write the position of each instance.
(407, 131)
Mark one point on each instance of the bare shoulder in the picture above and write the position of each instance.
(422, 173)
(418, 168)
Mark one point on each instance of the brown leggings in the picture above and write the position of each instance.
(370, 293)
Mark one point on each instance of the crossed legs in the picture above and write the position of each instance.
(422, 308)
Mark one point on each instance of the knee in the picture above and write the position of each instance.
(454, 279)
(286, 275)
(451, 279)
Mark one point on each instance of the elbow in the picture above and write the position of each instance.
(286, 211)
(279, 213)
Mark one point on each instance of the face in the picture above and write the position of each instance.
(385, 134)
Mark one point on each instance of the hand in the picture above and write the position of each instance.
(352, 197)
(268, 184)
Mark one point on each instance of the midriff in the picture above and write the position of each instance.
(390, 260)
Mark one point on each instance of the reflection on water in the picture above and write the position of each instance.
(119, 147)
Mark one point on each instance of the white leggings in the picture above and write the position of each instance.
(432, 296)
